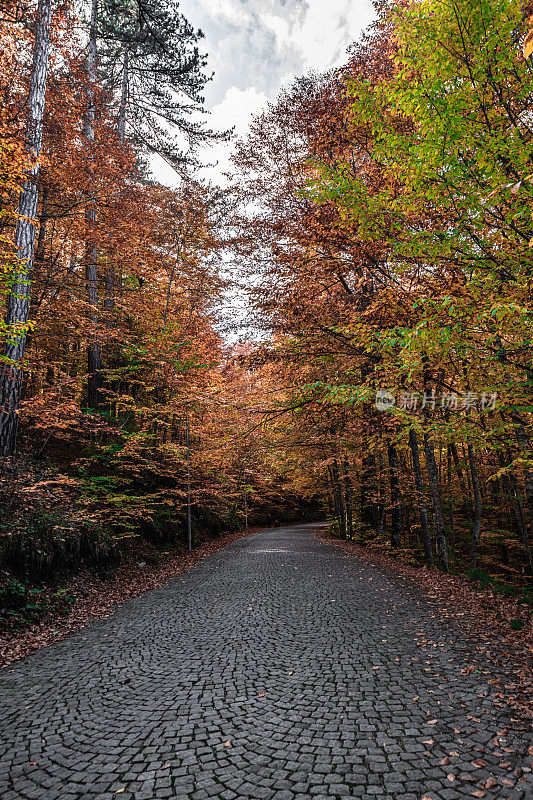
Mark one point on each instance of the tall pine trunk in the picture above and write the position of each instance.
(121, 127)
(94, 354)
(109, 279)
(18, 307)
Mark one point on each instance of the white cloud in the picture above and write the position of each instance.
(237, 107)
(328, 28)
(235, 111)
(255, 47)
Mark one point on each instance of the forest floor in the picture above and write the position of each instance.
(281, 667)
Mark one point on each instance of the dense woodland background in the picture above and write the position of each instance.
(379, 221)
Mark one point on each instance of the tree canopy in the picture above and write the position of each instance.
(379, 221)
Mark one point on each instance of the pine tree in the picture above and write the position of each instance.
(150, 60)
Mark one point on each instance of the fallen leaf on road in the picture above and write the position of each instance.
(451, 777)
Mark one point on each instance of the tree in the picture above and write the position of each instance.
(19, 299)
(94, 355)
(392, 228)
(150, 60)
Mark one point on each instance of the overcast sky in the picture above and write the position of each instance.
(255, 47)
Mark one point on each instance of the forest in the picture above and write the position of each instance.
(376, 225)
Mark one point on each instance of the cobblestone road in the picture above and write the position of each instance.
(278, 668)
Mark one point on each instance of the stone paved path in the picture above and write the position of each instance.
(277, 668)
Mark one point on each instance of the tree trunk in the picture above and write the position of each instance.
(509, 482)
(109, 280)
(123, 97)
(342, 508)
(38, 265)
(381, 489)
(18, 306)
(462, 483)
(88, 127)
(41, 236)
(329, 498)
(438, 516)
(348, 495)
(337, 497)
(476, 527)
(369, 510)
(424, 527)
(94, 354)
(525, 446)
(396, 516)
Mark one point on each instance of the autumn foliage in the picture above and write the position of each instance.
(392, 232)
(122, 344)
(379, 223)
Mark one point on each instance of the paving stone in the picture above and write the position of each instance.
(252, 677)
